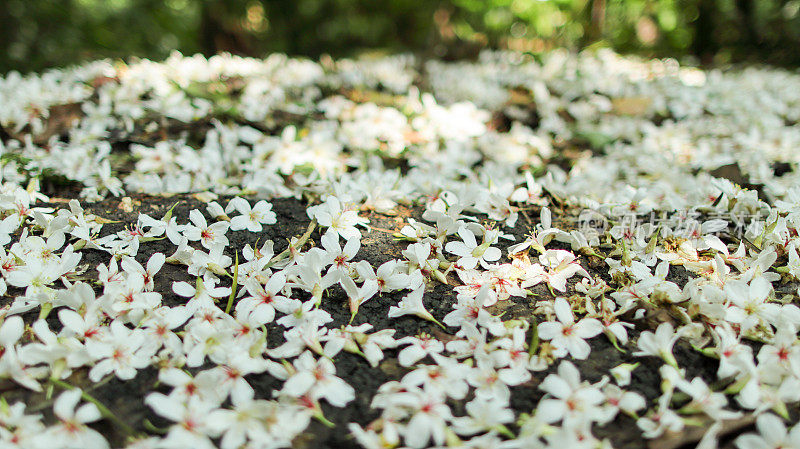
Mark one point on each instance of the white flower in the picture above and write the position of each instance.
(372, 348)
(734, 356)
(428, 420)
(784, 352)
(318, 379)
(660, 420)
(202, 296)
(192, 417)
(184, 386)
(358, 295)
(419, 347)
(264, 300)
(388, 276)
(154, 264)
(12, 363)
(772, 434)
(622, 373)
(369, 438)
(10, 331)
(72, 430)
(332, 215)
(566, 335)
(208, 235)
(209, 264)
(704, 400)
(618, 399)
(336, 255)
(447, 377)
(749, 303)
(251, 218)
(19, 430)
(171, 227)
(245, 421)
(418, 257)
(557, 266)
(484, 414)
(411, 304)
(543, 235)
(470, 253)
(471, 309)
(568, 398)
(659, 344)
(121, 351)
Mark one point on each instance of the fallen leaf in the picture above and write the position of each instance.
(631, 105)
(695, 434)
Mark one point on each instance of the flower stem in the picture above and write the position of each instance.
(152, 427)
(505, 431)
(298, 244)
(234, 285)
(533, 346)
(325, 421)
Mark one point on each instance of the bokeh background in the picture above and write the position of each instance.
(36, 34)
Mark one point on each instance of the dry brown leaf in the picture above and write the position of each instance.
(631, 105)
(694, 434)
(61, 119)
(102, 220)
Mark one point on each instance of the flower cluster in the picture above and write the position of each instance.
(489, 311)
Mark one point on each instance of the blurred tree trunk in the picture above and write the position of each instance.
(593, 17)
(704, 44)
(747, 17)
(220, 30)
(598, 20)
(8, 25)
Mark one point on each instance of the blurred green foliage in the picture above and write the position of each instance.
(35, 34)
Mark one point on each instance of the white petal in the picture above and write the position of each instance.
(578, 348)
(564, 311)
(299, 384)
(549, 330)
(550, 410)
(165, 406)
(339, 393)
(87, 413)
(491, 254)
(587, 328)
(556, 386)
(11, 330)
(64, 406)
(183, 289)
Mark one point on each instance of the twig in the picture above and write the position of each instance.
(298, 244)
(234, 285)
(387, 231)
(45, 404)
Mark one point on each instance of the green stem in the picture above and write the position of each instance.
(150, 427)
(299, 244)
(325, 421)
(167, 216)
(234, 285)
(534, 344)
(49, 402)
(45, 310)
(503, 430)
(440, 324)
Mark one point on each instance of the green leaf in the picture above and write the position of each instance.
(234, 286)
